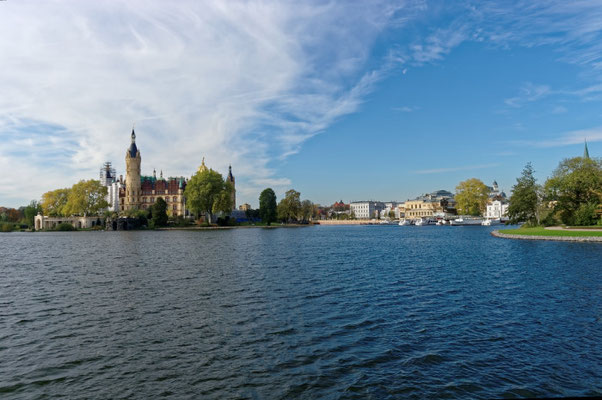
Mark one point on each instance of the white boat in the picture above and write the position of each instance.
(404, 222)
(492, 221)
(463, 221)
(423, 222)
(441, 222)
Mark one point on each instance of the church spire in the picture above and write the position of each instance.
(585, 151)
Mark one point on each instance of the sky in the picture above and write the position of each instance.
(340, 100)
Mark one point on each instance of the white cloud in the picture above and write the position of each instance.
(568, 138)
(529, 92)
(237, 82)
(406, 109)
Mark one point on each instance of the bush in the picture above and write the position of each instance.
(586, 215)
(549, 219)
(6, 227)
(179, 221)
(65, 227)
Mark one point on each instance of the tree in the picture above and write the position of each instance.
(471, 197)
(290, 207)
(576, 188)
(524, 200)
(207, 192)
(306, 210)
(31, 211)
(53, 202)
(159, 212)
(267, 206)
(86, 198)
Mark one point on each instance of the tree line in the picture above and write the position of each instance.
(572, 195)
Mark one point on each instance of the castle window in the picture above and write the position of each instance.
(152, 200)
(175, 199)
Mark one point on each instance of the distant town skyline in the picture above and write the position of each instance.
(340, 101)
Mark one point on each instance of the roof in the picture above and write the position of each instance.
(133, 148)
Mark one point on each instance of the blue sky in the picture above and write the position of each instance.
(339, 100)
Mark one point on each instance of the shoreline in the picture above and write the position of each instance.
(590, 239)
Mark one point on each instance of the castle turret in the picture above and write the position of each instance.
(231, 180)
(132, 177)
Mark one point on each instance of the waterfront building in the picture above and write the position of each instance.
(141, 192)
(439, 203)
(495, 192)
(42, 222)
(390, 206)
(108, 178)
(244, 207)
(366, 209)
(497, 209)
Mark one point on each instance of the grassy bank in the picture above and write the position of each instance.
(546, 232)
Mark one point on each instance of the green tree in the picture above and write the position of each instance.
(524, 200)
(31, 211)
(267, 206)
(54, 201)
(575, 187)
(289, 208)
(159, 213)
(471, 197)
(207, 192)
(306, 210)
(86, 198)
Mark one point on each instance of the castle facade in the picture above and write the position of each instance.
(141, 191)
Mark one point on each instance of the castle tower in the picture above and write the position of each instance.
(231, 180)
(132, 177)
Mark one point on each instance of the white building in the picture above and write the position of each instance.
(391, 206)
(497, 209)
(366, 209)
(108, 178)
(42, 222)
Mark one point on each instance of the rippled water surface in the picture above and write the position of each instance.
(316, 312)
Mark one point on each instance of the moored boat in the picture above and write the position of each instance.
(464, 221)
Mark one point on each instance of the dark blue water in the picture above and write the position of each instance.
(317, 312)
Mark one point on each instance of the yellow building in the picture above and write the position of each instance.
(420, 208)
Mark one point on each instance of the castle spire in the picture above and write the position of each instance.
(203, 167)
(133, 149)
(585, 151)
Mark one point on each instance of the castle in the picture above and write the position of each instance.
(141, 192)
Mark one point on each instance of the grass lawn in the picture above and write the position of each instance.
(543, 232)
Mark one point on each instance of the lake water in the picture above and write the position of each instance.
(316, 312)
